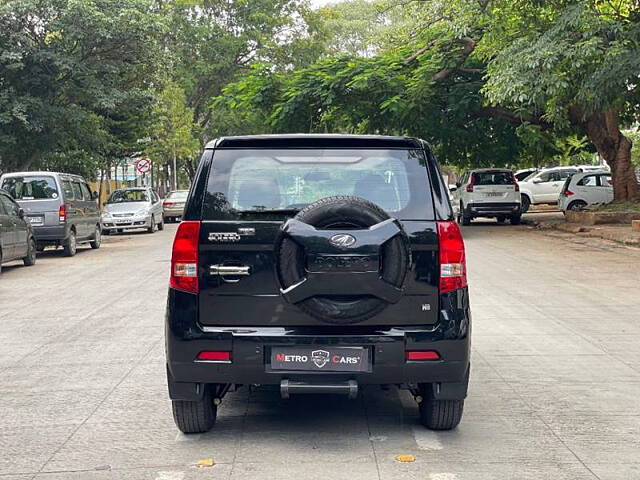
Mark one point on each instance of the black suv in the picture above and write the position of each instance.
(318, 263)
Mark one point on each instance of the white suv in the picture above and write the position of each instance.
(487, 192)
(584, 189)
(544, 186)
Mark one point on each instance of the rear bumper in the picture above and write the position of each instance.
(251, 350)
(496, 208)
(44, 234)
(173, 212)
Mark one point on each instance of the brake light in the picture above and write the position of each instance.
(214, 356)
(167, 204)
(453, 269)
(472, 181)
(568, 193)
(422, 355)
(62, 213)
(184, 258)
(515, 182)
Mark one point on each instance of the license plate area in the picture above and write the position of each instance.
(494, 194)
(320, 359)
(36, 220)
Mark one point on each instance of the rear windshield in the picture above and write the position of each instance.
(493, 178)
(121, 196)
(251, 182)
(31, 187)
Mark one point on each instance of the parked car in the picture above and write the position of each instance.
(544, 187)
(524, 173)
(318, 286)
(132, 208)
(487, 192)
(60, 207)
(588, 188)
(173, 205)
(17, 241)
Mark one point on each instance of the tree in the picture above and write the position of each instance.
(67, 67)
(212, 43)
(172, 132)
(573, 63)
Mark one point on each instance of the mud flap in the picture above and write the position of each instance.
(450, 390)
(189, 391)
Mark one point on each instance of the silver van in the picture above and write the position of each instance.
(61, 208)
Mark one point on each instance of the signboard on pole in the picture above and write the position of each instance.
(143, 165)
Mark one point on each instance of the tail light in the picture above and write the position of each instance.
(453, 269)
(214, 356)
(515, 182)
(568, 193)
(62, 213)
(167, 204)
(422, 355)
(472, 181)
(184, 258)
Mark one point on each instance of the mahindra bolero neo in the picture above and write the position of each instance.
(317, 263)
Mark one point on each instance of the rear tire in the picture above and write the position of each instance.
(515, 220)
(463, 218)
(195, 416)
(30, 259)
(441, 414)
(161, 225)
(577, 205)
(71, 245)
(525, 204)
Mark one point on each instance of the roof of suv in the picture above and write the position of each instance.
(315, 141)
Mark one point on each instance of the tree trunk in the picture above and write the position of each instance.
(603, 130)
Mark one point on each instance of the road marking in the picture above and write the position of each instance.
(170, 476)
(426, 439)
(443, 476)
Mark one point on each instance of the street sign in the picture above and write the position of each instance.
(143, 165)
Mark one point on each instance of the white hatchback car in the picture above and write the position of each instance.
(584, 189)
(544, 186)
(487, 192)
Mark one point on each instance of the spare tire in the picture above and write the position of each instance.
(343, 213)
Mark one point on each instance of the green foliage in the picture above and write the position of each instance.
(172, 129)
(579, 55)
(67, 69)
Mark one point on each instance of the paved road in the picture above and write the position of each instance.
(555, 388)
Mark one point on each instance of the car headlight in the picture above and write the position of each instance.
(106, 214)
(144, 211)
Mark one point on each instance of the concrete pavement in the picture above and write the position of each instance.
(555, 386)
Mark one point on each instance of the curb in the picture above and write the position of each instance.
(624, 237)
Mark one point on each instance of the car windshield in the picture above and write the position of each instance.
(283, 181)
(178, 195)
(493, 178)
(122, 196)
(530, 176)
(31, 187)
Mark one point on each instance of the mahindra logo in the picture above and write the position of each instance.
(342, 240)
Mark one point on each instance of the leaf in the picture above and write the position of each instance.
(205, 462)
(405, 458)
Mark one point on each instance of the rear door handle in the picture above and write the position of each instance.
(229, 270)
